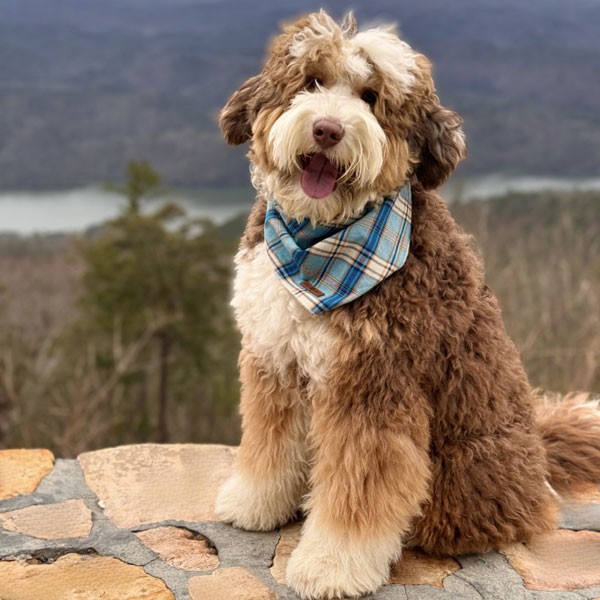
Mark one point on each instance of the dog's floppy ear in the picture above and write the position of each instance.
(235, 119)
(442, 146)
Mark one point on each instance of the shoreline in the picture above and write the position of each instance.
(76, 210)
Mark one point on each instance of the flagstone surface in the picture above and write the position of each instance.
(150, 482)
(233, 583)
(181, 548)
(417, 568)
(560, 560)
(79, 577)
(68, 519)
(138, 523)
(22, 470)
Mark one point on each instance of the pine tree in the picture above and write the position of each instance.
(158, 282)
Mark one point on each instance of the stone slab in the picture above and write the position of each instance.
(233, 583)
(559, 560)
(69, 519)
(417, 568)
(82, 577)
(22, 470)
(288, 540)
(181, 548)
(147, 483)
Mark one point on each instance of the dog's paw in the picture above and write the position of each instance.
(255, 507)
(322, 567)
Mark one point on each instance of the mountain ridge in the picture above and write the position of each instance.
(86, 86)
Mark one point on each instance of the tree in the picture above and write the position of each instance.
(155, 290)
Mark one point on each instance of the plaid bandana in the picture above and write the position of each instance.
(326, 266)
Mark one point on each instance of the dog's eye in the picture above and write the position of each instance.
(369, 96)
(312, 83)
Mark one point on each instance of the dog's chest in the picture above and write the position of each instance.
(275, 327)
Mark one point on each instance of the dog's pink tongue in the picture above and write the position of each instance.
(319, 177)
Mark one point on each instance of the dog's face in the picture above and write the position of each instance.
(339, 118)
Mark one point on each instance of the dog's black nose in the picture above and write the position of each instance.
(327, 132)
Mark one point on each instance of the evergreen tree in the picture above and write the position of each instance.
(155, 290)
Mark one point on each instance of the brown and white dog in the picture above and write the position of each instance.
(403, 417)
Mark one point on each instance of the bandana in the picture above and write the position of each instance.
(324, 266)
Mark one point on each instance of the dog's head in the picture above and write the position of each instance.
(339, 118)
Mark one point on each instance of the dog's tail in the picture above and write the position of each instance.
(570, 430)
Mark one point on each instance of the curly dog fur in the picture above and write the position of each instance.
(404, 417)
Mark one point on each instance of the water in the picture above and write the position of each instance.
(490, 186)
(75, 210)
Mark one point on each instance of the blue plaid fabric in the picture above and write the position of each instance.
(324, 266)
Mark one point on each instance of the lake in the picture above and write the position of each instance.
(75, 210)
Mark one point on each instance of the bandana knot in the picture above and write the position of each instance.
(326, 266)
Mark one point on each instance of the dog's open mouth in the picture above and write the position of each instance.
(319, 176)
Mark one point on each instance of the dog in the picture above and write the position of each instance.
(380, 395)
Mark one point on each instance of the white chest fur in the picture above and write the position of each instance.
(274, 326)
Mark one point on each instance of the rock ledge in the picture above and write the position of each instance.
(137, 522)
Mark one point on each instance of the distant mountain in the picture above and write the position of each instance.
(86, 85)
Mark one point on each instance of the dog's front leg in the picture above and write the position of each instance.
(270, 475)
(369, 479)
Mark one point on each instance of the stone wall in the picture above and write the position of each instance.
(137, 523)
